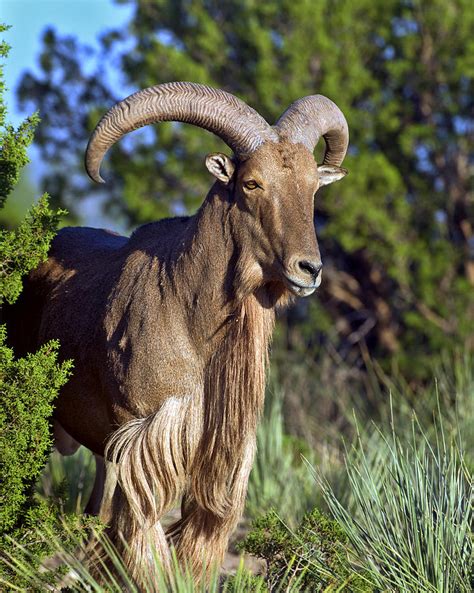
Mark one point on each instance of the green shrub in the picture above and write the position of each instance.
(32, 556)
(315, 554)
(23, 248)
(28, 385)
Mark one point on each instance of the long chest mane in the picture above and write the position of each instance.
(235, 377)
(234, 388)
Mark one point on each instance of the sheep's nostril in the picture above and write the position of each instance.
(311, 268)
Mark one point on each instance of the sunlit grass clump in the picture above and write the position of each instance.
(408, 511)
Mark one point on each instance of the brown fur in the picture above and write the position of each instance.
(169, 331)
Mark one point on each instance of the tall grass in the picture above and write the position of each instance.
(408, 510)
(279, 479)
(107, 573)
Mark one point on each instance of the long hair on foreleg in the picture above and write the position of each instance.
(147, 459)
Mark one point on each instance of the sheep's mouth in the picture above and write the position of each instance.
(298, 288)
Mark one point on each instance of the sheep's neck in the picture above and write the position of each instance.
(221, 276)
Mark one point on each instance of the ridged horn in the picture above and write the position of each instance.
(309, 118)
(217, 111)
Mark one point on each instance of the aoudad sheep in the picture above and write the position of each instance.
(169, 329)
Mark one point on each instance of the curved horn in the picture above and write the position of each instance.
(240, 126)
(309, 118)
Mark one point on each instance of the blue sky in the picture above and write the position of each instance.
(85, 19)
(28, 18)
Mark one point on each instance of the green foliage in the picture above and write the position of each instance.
(13, 157)
(244, 580)
(408, 511)
(24, 248)
(13, 142)
(74, 473)
(109, 575)
(402, 498)
(28, 385)
(315, 553)
(44, 531)
(395, 511)
(20, 200)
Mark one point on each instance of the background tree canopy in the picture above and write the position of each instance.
(397, 236)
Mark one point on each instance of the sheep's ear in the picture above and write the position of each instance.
(220, 166)
(329, 173)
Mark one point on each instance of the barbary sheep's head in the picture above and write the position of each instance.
(274, 189)
(272, 177)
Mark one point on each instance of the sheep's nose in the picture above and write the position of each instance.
(310, 267)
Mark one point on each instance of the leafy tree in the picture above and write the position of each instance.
(28, 385)
(397, 236)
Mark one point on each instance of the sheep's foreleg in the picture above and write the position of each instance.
(202, 534)
(146, 475)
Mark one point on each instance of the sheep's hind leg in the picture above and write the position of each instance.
(201, 538)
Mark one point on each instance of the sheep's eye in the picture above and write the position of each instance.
(251, 184)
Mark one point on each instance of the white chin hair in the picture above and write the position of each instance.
(303, 292)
